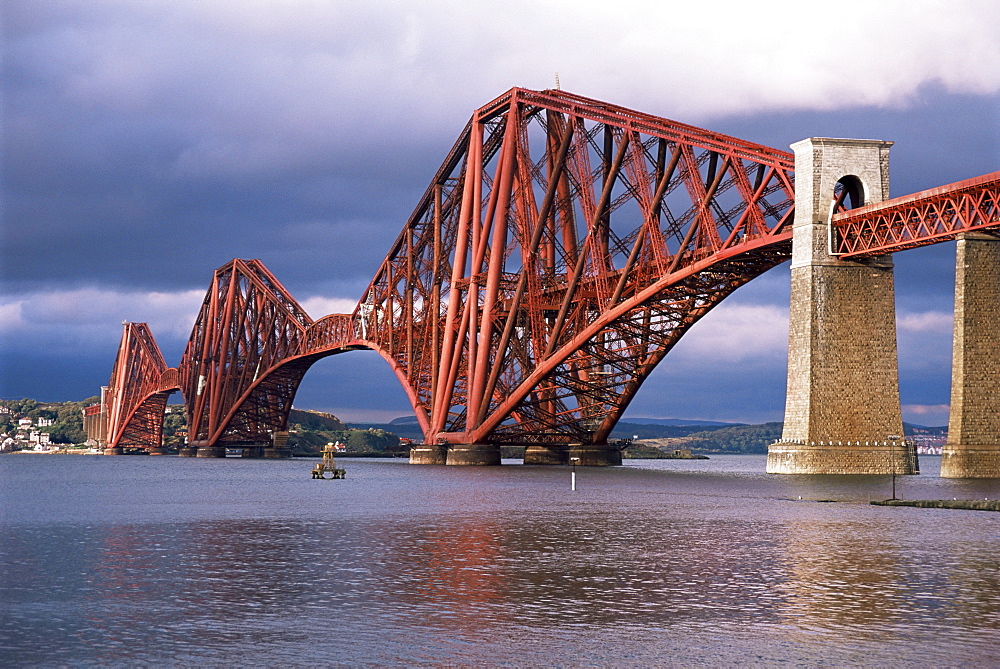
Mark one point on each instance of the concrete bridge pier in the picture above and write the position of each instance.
(973, 446)
(594, 455)
(278, 448)
(204, 449)
(546, 454)
(473, 454)
(455, 454)
(585, 455)
(428, 454)
(842, 412)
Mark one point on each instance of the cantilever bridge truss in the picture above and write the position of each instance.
(560, 251)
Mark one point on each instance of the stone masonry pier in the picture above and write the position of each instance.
(842, 412)
(973, 446)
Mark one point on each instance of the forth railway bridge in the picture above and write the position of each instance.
(559, 253)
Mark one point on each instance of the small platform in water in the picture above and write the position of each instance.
(328, 465)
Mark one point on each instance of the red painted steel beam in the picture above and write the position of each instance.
(248, 325)
(522, 268)
(560, 251)
(138, 390)
(927, 217)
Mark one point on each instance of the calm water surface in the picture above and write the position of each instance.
(164, 560)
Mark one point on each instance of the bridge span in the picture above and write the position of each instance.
(560, 251)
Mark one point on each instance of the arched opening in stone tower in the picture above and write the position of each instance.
(849, 193)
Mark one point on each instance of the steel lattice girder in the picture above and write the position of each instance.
(138, 390)
(552, 220)
(560, 251)
(248, 325)
(923, 218)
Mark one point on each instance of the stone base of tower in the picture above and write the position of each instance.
(546, 454)
(842, 412)
(117, 450)
(428, 454)
(970, 462)
(582, 455)
(278, 448)
(871, 458)
(481, 455)
(595, 455)
(187, 452)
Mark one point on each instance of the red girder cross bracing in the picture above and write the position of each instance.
(138, 390)
(927, 217)
(561, 250)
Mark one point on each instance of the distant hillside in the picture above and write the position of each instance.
(910, 429)
(629, 430)
(408, 430)
(404, 420)
(408, 427)
(677, 421)
(737, 439)
(743, 438)
(315, 420)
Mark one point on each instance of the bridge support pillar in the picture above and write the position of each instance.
(117, 450)
(594, 455)
(473, 454)
(187, 452)
(428, 454)
(546, 454)
(973, 446)
(278, 448)
(253, 451)
(842, 412)
(204, 449)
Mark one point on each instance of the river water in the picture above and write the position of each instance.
(165, 560)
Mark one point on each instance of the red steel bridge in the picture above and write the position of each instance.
(561, 250)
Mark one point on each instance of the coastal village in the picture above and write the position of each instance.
(28, 434)
(42, 428)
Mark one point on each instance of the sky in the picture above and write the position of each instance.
(148, 142)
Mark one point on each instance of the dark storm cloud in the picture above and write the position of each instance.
(147, 143)
(146, 146)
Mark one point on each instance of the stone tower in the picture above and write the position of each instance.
(842, 413)
(973, 446)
